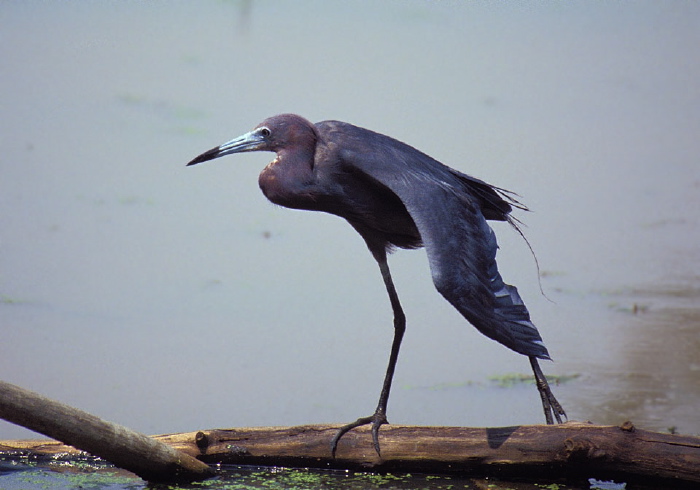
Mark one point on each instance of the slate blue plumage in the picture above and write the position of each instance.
(396, 196)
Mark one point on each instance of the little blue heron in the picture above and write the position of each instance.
(396, 196)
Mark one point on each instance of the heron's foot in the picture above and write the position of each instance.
(377, 420)
(550, 404)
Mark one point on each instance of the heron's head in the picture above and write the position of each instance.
(276, 134)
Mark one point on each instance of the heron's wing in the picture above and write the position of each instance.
(495, 203)
(460, 244)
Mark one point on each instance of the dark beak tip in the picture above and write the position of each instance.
(207, 155)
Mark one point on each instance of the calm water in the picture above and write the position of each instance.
(174, 299)
(90, 475)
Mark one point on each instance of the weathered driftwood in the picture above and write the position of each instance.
(568, 450)
(149, 458)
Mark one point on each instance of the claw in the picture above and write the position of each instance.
(377, 420)
(549, 403)
(556, 408)
(375, 435)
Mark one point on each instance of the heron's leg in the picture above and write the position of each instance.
(549, 403)
(379, 416)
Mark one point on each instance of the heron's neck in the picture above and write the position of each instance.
(288, 179)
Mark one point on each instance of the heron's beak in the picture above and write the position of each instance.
(248, 142)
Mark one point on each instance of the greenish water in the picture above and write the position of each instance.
(89, 474)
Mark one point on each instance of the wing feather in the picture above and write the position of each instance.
(451, 220)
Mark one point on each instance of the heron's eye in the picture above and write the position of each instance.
(265, 132)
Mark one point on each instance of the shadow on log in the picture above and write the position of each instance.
(571, 450)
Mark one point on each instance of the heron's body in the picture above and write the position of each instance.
(397, 196)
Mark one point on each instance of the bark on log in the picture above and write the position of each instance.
(147, 457)
(571, 450)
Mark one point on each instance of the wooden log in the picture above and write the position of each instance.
(149, 458)
(571, 450)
